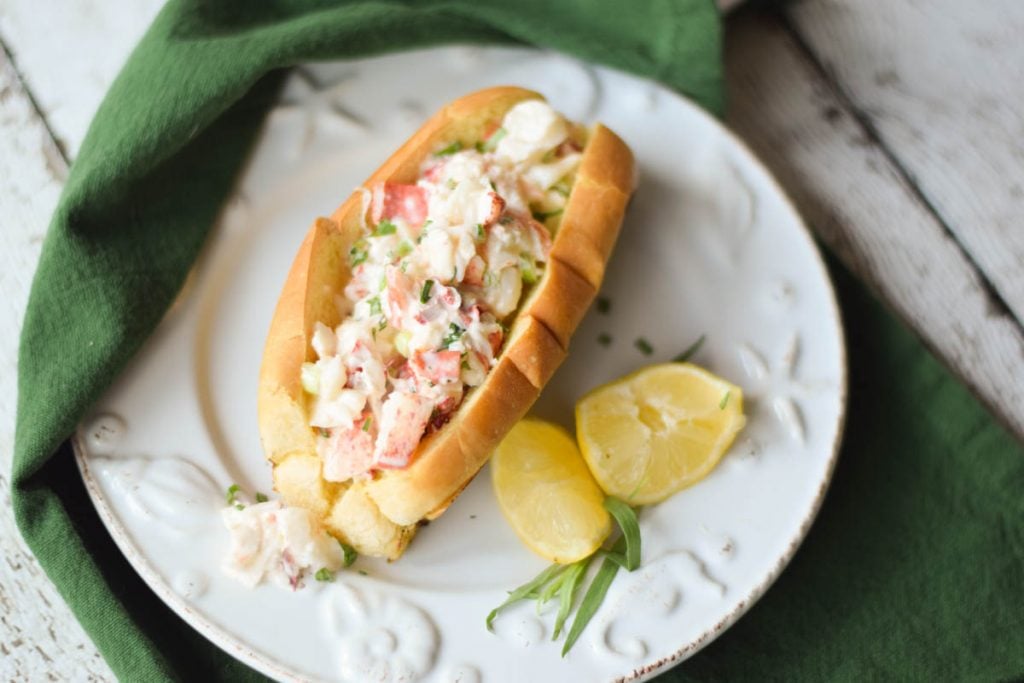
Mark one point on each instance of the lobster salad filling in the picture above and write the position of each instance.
(441, 264)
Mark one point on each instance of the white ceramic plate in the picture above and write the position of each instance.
(710, 247)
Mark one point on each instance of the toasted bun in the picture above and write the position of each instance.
(378, 516)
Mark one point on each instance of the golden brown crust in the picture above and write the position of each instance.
(378, 516)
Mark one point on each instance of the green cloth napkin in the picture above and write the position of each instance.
(915, 566)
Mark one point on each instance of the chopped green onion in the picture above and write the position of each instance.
(604, 304)
(358, 253)
(385, 227)
(480, 234)
(310, 376)
(367, 423)
(491, 143)
(643, 346)
(350, 554)
(404, 249)
(690, 350)
(544, 215)
(425, 292)
(375, 308)
(231, 493)
(604, 339)
(454, 334)
(528, 270)
(449, 150)
(724, 401)
(324, 574)
(261, 497)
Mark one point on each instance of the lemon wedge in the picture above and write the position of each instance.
(547, 494)
(657, 431)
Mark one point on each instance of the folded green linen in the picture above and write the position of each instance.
(915, 567)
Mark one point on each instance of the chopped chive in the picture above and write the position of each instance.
(643, 346)
(454, 334)
(385, 227)
(374, 303)
(544, 215)
(231, 493)
(350, 554)
(324, 574)
(491, 143)
(604, 304)
(480, 231)
(358, 253)
(449, 150)
(261, 497)
(690, 350)
(366, 423)
(404, 249)
(604, 339)
(425, 292)
(724, 401)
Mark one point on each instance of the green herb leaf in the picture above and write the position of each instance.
(724, 401)
(643, 346)
(261, 497)
(604, 339)
(385, 227)
(625, 516)
(231, 493)
(491, 143)
(375, 307)
(604, 304)
(425, 292)
(454, 334)
(324, 574)
(544, 215)
(404, 249)
(571, 582)
(528, 590)
(690, 350)
(350, 554)
(593, 598)
(358, 253)
(449, 150)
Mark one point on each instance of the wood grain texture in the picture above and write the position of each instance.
(860, 204)
(942, 83)
(39, 638)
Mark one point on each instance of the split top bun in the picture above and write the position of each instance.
(422, 319)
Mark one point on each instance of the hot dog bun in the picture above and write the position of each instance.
(378, 516)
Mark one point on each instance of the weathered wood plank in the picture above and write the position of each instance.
(861, 205)
(69, 53)
(39, 638)
(942, 83)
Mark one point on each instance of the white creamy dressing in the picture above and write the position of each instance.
(282, 544)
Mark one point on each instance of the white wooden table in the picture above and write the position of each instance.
(897, 127)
